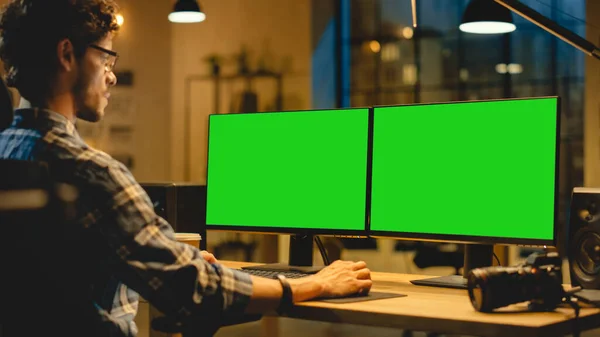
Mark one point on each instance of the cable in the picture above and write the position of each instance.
(567, 14)
(414, 12)
(568, 299)
(576, 307)
(497, 259)
(322, 250)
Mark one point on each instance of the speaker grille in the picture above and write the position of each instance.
(584, 238)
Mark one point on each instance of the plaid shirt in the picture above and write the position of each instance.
(144, 256)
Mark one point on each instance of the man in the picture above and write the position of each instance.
(58, 54)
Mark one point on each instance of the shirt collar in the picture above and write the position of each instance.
(36, 117)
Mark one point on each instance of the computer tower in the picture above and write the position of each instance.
(183, 205)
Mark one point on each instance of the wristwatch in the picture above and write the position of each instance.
(287, 298)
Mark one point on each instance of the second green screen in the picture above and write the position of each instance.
(469, 169)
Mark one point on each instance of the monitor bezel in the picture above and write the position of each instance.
(473, 239)
(361, 233)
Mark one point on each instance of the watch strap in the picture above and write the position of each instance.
(287, 298)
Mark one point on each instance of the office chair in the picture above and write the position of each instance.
(34, 285)
(6, 106)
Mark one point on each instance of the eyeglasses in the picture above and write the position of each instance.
(111, 59)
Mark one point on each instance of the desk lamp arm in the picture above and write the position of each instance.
(551, 27)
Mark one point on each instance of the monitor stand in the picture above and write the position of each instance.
(300, 257)
(476, 256)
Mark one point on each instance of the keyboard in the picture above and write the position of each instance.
(272, 274)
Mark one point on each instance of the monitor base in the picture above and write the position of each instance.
(476, 256)
(300, 258)
(282, 267)
(452, 281)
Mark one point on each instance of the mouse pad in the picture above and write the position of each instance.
(373, 295)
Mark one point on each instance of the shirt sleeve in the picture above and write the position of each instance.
(171, 275)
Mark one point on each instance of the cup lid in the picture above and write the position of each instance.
(188, 236)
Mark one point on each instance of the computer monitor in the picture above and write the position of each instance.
(482, 172)
(299, 172)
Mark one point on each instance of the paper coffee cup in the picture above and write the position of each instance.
(192, 239)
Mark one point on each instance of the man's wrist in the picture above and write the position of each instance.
(287, 300)
(306, 288)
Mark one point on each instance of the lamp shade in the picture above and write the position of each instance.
(187, 11)
(487, 17)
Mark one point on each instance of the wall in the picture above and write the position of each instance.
(591, 124)
(145, 49)
(278, 28)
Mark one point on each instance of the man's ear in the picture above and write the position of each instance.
(66, 55)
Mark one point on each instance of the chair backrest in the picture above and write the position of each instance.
(6, 106)
(37, 279)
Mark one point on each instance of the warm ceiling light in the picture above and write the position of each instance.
(513, 68)
(408, 33)
(187, 11)
(120, 19)
(375, 46)
(501, 68)
(487, 17)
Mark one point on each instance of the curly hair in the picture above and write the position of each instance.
(30, 31)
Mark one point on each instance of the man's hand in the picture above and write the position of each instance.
(343, 278)
(210, 258)
(339, 279)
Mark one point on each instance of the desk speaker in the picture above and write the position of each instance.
(583, 247)
(183, 205)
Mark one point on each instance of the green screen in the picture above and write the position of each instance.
(288, 170)
(475, 169)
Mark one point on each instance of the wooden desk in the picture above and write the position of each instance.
(440, 310)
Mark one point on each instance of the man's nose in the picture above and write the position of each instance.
(112, 79)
